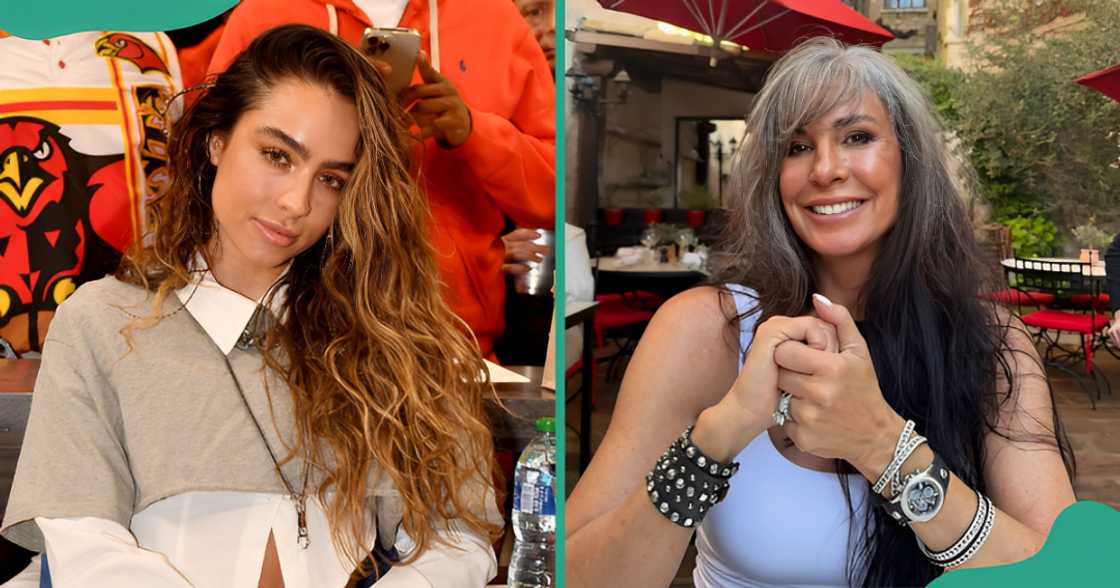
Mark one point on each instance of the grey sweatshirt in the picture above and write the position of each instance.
(113, 430)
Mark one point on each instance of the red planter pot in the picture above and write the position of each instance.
(695, 218)
(612, 216)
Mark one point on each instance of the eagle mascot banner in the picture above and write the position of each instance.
(83, 143)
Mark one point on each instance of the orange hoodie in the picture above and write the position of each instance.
(506, 168)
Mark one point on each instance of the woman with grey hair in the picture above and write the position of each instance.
(840, 408)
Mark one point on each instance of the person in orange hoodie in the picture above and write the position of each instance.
(486, 106)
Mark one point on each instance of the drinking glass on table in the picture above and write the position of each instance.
(649, 238)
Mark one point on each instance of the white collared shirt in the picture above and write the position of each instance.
(205, 539)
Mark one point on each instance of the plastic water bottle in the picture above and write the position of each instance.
(534, 511)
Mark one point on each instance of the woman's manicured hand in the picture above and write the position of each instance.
(748, 407)
(837, 407)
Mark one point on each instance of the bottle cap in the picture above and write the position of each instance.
(546, 425)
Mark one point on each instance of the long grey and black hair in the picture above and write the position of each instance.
(940, 351)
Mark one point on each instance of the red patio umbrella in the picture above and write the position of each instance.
(1105, 81)
(775, 26)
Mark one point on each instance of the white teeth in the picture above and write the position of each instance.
(838, 208)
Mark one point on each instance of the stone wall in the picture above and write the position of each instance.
(913, 28)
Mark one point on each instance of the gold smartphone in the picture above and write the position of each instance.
(397, 47)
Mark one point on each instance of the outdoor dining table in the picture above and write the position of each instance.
(614, 264)
(665, 279)
(1092, 278)
(1055, 264)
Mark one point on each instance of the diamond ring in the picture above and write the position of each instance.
(782, 414)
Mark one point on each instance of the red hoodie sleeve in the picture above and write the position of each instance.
(515, 158)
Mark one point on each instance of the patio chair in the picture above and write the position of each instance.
(1099, 302)
(1016, 298)
(1064, 279)
(1102, 304)
(622, 319)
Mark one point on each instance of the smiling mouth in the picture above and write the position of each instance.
(838, 208)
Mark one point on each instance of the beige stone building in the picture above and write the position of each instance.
(962, 21)
(943, 28)
(912, 22)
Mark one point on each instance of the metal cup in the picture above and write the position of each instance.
(539, 279)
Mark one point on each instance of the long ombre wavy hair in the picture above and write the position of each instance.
(942, 354)
(381, 373)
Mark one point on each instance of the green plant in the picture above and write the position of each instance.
(1032, 236)
(1090, 236)
(1041, 144)
(938, 82)
(1025, 120)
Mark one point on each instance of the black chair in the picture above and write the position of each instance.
(1064, 279)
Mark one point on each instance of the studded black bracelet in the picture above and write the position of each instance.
(685, 484)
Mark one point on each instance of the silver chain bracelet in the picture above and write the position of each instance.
(896, 460)
(970, 542)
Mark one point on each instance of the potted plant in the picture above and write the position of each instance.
(1092, 239)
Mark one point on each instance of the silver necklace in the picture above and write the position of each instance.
(244, 342)
(300, 499)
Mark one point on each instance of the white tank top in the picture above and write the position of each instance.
(780, 524)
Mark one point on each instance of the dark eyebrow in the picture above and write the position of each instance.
(844, 121)
(302, 149)
(851, 119)
(287, 139)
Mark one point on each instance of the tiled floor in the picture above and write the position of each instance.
(1094, 435)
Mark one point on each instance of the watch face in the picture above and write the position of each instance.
(922, 499)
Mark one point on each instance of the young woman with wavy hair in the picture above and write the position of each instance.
(853, 412)
(271, 381)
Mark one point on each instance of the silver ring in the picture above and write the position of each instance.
(782, 414)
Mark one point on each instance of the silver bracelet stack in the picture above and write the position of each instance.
(685, 483)
(897, 460)
(907, 450)
(970, 542)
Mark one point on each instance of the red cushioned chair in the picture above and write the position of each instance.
(637, 298)
(1019, 298)
(1061, 279)
(1016, 298)
(615, 319)
(623, 317)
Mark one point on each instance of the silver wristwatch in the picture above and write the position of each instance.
(923, 494)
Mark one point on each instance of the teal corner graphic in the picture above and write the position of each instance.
(1080, 551)
(44, 19)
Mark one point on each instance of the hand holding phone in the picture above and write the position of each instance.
(437, 108)
(394, 52)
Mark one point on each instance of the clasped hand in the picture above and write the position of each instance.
(837, 409)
